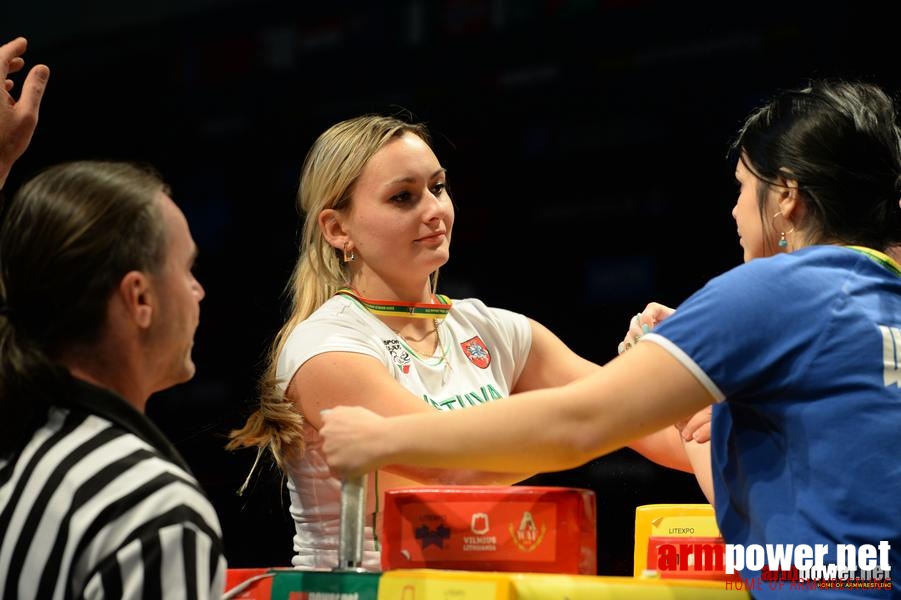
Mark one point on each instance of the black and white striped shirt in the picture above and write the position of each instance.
(98, 504)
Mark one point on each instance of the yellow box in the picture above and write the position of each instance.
(436, 584)
(536, 586)
(670, 520)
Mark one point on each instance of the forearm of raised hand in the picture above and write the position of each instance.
(541, 430)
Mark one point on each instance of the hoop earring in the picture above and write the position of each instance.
(783, 243)
(349, 256)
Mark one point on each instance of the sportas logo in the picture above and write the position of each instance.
(400, 356)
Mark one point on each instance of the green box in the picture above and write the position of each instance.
(291, 584)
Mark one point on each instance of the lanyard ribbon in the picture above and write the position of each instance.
(415, 310)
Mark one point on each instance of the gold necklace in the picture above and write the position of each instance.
(422, 338)
(435, 323)
(443, 358)
(440, 345)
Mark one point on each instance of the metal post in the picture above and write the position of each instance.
(350, 533)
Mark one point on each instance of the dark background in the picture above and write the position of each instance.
(585, 142)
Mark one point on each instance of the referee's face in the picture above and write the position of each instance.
(178, 302)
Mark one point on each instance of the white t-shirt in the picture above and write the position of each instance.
(485, 350)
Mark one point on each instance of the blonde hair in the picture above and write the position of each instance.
(330, 171)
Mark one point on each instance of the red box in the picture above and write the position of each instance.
(258, 583)
(491, 528)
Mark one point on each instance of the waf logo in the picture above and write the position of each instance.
(432, 537)
(477, 352)
(528, 536)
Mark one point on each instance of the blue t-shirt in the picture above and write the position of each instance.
(804, 349)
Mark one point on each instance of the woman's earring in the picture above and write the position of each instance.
(349, 256)
(782, 243)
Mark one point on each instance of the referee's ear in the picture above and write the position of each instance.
(133, 300)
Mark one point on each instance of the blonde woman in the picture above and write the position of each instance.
(367, 328)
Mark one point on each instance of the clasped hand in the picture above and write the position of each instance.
(696, 427)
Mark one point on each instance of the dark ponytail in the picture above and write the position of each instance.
(841, 142)
(67, 238)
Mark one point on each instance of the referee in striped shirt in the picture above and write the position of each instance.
(98, 308)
